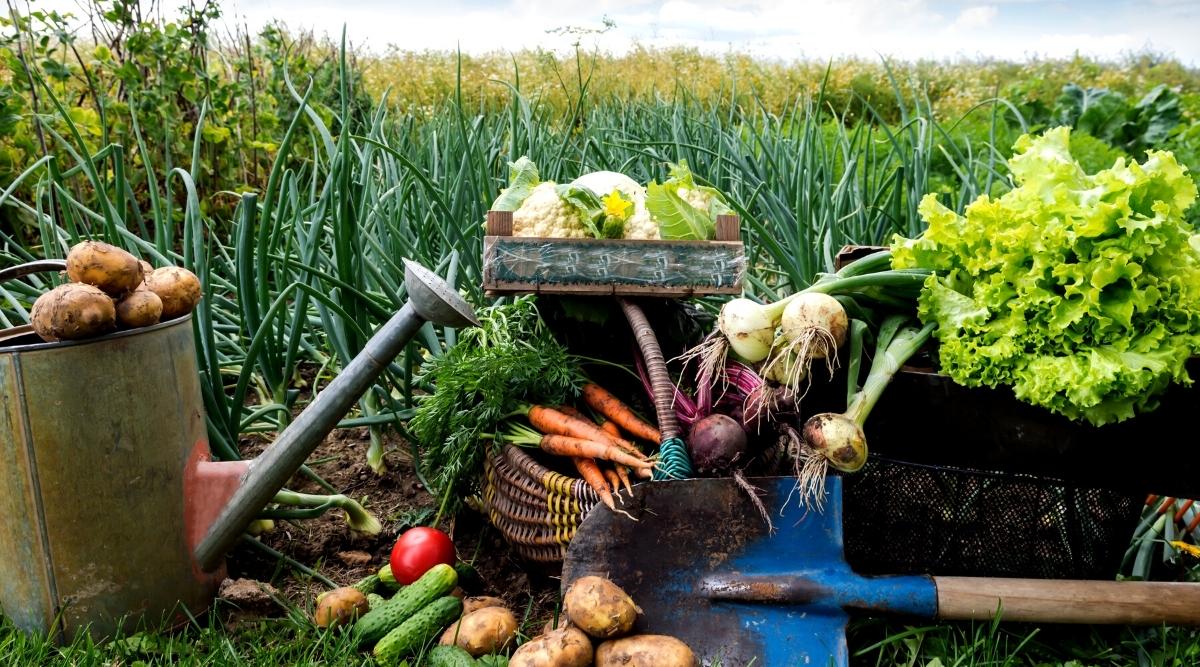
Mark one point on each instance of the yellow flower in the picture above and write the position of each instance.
(1189, 549)
(616, 205)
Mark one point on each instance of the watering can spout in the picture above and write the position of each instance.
(430, 299)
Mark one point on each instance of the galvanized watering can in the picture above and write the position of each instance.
(112, 505)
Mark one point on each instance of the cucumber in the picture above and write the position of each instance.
(411, 635)
(367, 584)
(376, 601)
(449, 656)
(386, 578)
(438, 581)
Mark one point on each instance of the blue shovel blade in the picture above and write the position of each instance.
(703, 567)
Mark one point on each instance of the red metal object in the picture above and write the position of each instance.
(208, 485)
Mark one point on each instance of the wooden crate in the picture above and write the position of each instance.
(617, 267)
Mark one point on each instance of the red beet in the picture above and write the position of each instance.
(716, 444)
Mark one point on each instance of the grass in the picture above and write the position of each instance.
(291, 640)
(879, 642)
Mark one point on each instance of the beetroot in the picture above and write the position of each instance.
(716, 443)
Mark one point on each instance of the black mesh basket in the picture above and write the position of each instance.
(908, 518)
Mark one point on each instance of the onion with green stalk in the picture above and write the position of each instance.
(837, 440)
(808, 325)
(813, 326)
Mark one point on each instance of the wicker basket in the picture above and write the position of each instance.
(538, 510)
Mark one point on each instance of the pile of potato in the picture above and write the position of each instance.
(111, 289)
(597, 609)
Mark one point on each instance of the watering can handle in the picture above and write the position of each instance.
(29, 268)
(20, 271)
(1068, 601)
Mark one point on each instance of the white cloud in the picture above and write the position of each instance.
(973, 18)
(818, 29)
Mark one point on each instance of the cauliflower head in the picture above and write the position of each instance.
(639, 225)
(544, 214)
(699, 199)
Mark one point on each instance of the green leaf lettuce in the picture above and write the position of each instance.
(1080, 292)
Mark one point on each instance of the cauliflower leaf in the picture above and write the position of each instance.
(683, 209)
(522, 179)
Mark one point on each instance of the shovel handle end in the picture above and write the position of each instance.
(1068, 601)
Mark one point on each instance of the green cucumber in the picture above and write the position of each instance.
(408, 637)
(449, 656)
(367, 584)
(376, 601)
(386, 578)
(438, 581)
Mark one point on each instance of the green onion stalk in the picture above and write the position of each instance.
(837, 440)
(357, 517)
(375, 451)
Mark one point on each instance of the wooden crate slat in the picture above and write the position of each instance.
(612, 266)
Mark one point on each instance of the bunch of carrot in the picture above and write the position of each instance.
(565, 431)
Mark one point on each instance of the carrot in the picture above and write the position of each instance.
(613, 480)
(572, 411)
(621, 471)
(610, 406)
(643, 473)
(589, 470)
(623, 475)
(554, 422)
(611, 428)
(564, 445)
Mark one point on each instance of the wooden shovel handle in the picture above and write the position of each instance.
(1068, 601)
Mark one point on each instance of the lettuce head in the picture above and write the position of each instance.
(1080, 292)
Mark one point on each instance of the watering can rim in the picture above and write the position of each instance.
(29, 347)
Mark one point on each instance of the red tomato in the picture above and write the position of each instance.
(419, 549)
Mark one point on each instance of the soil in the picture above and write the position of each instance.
(399, 499)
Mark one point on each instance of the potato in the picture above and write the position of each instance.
(561, 648)
(600, 608)
(340, 606)
(108, 267)
(178, 288)
(480, 602)
(147, 269)
(139, 308)
(483, 631)
(563, 622)
(645, 651)
(73, 311)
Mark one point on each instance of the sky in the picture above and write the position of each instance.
(798, 29)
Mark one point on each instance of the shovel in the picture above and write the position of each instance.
(702, 566)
